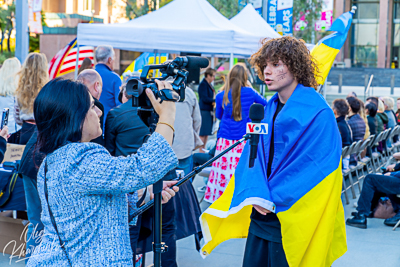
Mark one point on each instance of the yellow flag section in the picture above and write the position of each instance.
(327, 48)
(220, 224)
(324, 56)
(146, 59)
(308, 236)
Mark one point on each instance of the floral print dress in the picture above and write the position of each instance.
(222, 169)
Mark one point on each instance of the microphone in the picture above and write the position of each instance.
(255, 128)
(191, 62)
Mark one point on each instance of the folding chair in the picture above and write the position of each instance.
(347, 172)
(359, 166)
(377, 157)
(366, 160)
(344, 151)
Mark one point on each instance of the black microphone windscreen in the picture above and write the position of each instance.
(256, 112)
(197, 62)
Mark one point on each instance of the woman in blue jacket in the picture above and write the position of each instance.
(232, 108)
(83, 188)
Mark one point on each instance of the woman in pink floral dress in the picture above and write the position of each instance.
(232, 108)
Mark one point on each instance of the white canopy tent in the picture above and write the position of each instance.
(250, 21)
(181, 26)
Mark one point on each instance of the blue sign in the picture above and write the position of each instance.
(280, 16)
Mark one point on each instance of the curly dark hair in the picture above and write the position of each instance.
(293, 53)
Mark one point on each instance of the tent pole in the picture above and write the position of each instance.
(231, 61)
(77, 61)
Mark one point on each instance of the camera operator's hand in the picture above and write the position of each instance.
(168, 191)
(165, 110)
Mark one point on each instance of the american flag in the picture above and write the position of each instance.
(64, 61)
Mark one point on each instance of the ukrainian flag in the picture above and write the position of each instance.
(146, 59)
(328, 47)
(304, 188)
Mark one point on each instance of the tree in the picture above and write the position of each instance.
(228, 8)
(311, 9)
(135, 8)
(3, 26)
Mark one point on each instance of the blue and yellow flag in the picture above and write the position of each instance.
(328, 47)
(304, 188)
(146, 59)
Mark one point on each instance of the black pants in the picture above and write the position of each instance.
(376, 183)
(263, 253)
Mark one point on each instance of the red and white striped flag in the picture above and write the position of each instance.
(64, 61)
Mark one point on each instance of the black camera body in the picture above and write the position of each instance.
(177, 69)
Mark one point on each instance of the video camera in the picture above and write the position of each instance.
(176, 69)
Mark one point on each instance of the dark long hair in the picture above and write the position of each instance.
(60, 110)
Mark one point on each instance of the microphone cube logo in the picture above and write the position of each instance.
(257, 128)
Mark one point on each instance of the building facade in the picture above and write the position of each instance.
(63, 16)
(374, 37)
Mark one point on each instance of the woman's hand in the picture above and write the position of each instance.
(167, 192)
(4, 132)
(165, 110)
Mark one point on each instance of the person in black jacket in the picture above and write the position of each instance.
(94, 83)
(370, 110)
(29, 167)
(341, 109)
(3, 142)
(125, 133)
(206, 103)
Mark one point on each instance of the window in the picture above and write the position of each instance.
(365, 34)
(396, 34)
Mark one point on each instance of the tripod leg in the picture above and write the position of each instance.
(157, 245)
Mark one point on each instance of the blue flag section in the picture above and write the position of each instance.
(304, 187)
(279, 16)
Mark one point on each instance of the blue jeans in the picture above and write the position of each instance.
(186, 165)
(35, 227)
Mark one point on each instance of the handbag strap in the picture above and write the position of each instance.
(53, 221)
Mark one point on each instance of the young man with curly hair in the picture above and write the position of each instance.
(299, 119)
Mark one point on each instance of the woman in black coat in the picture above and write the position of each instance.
(206, 103)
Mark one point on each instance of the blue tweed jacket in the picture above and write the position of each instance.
(87, 190)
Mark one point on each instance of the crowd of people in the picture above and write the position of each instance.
(57, 122)
(357, 121)
(91, 157)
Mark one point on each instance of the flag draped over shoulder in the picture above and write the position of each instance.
(328, 47)
(64, 61)
(304, 187)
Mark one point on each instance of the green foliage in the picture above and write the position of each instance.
(5, 55)
(6, 25)
(133, 10)
(228, 8)
(312, 9)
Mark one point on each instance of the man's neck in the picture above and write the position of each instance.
(351, 114)
(286, 92)
(209, 81)
(106, 64)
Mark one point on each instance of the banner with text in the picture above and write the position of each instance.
(279, 16)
